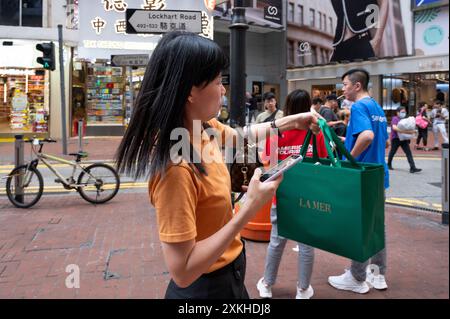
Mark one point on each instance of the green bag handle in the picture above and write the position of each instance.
(332, 141)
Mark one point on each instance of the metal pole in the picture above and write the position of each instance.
(238, 29)
(80, 135)
(445, 183)
(18, 158)
(63, 93)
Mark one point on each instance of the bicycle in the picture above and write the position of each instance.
(26, 182)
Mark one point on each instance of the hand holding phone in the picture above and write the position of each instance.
(283, 166)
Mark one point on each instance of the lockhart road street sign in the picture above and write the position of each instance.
(130, 60)
(162, 21)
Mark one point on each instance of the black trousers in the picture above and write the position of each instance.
(224, 283)
(357, 47)
(423, 134)
(396, 143)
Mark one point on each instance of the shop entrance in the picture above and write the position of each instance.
(24, 102)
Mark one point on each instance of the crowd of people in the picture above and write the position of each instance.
(199, 234)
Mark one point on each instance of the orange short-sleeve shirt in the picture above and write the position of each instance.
(190, 205)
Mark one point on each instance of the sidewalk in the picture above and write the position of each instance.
(117, 249)
(98, 148)
(104, 148)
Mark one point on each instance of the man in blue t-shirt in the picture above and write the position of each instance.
(367, 140)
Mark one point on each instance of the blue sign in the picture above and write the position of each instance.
(421, 3)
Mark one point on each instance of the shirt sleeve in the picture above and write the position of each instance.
(224, 132)
(360, 121)
(395, 120)
(175, 199)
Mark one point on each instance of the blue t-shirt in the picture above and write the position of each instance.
(367, 114)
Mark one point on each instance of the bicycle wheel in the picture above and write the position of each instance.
(24, 187)
(99, 183)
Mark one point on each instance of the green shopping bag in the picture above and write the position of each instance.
(333, 205)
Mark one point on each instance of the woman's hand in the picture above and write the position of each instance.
(259, 193)
(304, 121)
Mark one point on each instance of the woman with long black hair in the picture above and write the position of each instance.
(190, 186)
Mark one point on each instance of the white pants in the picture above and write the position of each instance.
(439, 128)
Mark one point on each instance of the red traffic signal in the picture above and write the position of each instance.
(48, 59)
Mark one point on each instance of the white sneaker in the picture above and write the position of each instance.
(304, 294)
(346, 281)
(265, 291)
(376, 281)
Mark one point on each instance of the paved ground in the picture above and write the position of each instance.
(117, 250)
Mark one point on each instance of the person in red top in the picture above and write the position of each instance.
(290, 143)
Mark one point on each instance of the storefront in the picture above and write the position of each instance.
(109, 64)
(24, 91)
(103, 95)
(265, 50)
(421, 76)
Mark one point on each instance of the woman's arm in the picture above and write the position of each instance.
(187, 261)
(395, 128)
(383, 16)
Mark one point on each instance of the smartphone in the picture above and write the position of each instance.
(283, 166)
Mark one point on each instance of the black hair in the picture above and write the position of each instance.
(269, 96)
(332, 97)
(298, 101)
(437, 101)
(400, 108)
(317, 100)
(180, 61)
(358, 75)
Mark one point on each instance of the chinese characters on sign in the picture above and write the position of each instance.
(120, 25)
(117, 5)
(98, 24)
(154, 5)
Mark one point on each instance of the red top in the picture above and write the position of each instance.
(291, 143)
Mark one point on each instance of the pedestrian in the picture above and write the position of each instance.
(328, 112)
(366, 140)
(344, 116)
(271, 110)
(423, 122)
(440, 118)
(396, 142)
(317, 103)
(252, 107)
(298, 101)
(176, 106)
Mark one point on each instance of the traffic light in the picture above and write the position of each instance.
(48, 59)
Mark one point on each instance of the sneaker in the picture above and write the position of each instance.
(390, 167)
(265, 291)
(346, 281)
(304, 294)
(376, 281)
(415, 170)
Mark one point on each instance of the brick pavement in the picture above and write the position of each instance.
(117, 249)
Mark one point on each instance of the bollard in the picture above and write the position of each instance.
(18, 153)
(80, 135)
(445, 188)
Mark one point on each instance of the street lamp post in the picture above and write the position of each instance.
(238, 29)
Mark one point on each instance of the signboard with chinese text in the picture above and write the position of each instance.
(102, 26)
(162, 21)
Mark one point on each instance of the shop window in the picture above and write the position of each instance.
(27, 13)
(24, 101)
